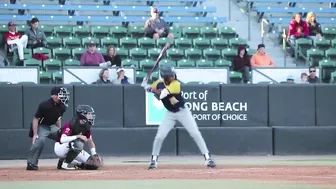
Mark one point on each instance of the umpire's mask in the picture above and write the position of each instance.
(62, 93)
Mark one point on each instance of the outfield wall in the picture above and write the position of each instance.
(234, 119)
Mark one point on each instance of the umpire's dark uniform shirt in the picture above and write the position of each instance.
(49, 112)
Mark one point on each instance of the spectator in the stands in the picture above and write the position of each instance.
(241, 63)
(104, 77)
(112, 56)
(312, 78)
(91, 57)
(290, 79)
(261, 58)
(304, 77)
(15, 40)
(121, 77)
(155, 27)
(315, 29)
(297, 29)
(36, 37)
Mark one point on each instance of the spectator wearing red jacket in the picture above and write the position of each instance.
(15, 40)
(297, 29)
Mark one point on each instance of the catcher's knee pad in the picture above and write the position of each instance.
(75, 147)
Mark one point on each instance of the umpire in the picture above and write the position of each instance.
(47, 123)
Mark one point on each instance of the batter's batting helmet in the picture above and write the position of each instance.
(166, 71)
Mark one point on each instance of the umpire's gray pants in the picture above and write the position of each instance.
(43, 132)
(185, 117)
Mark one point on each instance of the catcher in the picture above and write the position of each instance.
(70, 142)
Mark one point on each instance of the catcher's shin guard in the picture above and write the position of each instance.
(75, 147)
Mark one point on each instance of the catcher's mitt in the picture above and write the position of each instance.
(95, 160)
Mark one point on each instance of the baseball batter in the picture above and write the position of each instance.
(74, 134)
(168, 91)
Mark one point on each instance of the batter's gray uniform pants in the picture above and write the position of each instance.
(185, 117)
(43, 132)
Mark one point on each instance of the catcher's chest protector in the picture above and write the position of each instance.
(78, 128)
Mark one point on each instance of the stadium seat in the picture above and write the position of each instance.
(77, 53)
(48, 30)
(5, 83)
(176, 31)
(235, 42)
(314, 56)
(71, 62)
(146, 65)
(101, 50)
(333, 77)
(138, 54)
(183, 43)
(175, 54)
(100, 31)
(52, 65)
(146, 43)
(140, 76)
(223, 63)
(329, 33)
(57, 77)
(42, 50)
(130, 63)
(209, 32)
(26, 51)
(215, 83)
(193, 54)
(45, 77)
(87, 40)
(186, 63)
(219, 43)
(235, 77)
(128, 42)
(204, 63)
(63, 31)
(161, 42)
(191, 32)
(21, 29)
(168, 62)
(333, 43)
(32, 62)
(327, 67)
(250, 52)
(54, 42)
(229, 53)
(211, 54)
(201, 43)
(155, 76)
(227, 33)
(322, 44)
(118, 32)
(136, 31)
(72, 42)
(61, 53)
(107, 41)
(81, 31)
(153, 53)
(123, 53)
(302, 45)
(331, 54)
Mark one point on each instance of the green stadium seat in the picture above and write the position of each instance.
(168, 62)
(331, 54)
(211, 54)
(123, 53)
(57, 77)
(3, 28)
(136, 31)
(183, 43)
(21, 28)
(72, 42)
(191, 32)
(209, 32)
(138, 54)
(175, 54)
(52, 65)
(61, 53)
(215, 83)
(128, 42)
(63, 31)
(155, 76)
(333, 43)
(87, 40)
(176, 31)
(314, 56)
(81, 31)
(161, 42)
(146, 65)
(71, 62)
(329, 33)
(77, 53)
(107, 41)
(5, 83)
(45, 77)
(302, 45)
(153, 53)
(327, 67)
(193, 54)
(101, 50)
(48, 30)
(140, 76)
(32, 62)
(118, 32)
(201, 43)
(100, 31)
(26, 83)
(333, 77)
(235, 77)
(227, 33)
(54, 42)
(219, 43)
(322, 44)
(146, 43)
(27, 53)
(250, 52)
(42, 50)
(235, 42)
(229, 53)
(186, 63)
(130, 63)
(204, 63)
(223, 63)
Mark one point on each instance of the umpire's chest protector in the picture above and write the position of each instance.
(78, 128)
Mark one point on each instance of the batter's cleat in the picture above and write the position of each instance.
(60, 162)
(210, 163)
(152, 165)
(31, 167)
(67, 166)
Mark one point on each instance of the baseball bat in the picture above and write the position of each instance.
(163, 51)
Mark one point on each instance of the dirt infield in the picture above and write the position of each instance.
(320, 175)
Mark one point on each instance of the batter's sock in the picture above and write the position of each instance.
(155, 158)
(206, 156)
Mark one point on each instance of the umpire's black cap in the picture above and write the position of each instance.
(55, 90)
